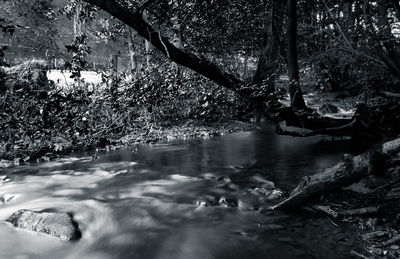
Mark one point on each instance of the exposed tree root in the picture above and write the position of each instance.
(377, 122)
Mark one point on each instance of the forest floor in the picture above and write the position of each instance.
(372, 206)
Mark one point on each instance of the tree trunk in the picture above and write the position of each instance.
(347, 7)
(147, 44)
(348, 18)
(396, 7)
(149, 50)
(77, 20)
(131, 50)
(268, 61)
(386, 36)
(387, 53)
(296, 95)
(308, 120)
(245, 66)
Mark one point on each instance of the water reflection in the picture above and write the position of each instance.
(206, 199)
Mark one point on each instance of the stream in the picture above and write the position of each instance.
(199, 199)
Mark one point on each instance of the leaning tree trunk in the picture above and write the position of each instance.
(296, 95)
(184, 57)
(187, 58)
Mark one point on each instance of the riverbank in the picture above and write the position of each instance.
(42, 119)
(182, 131)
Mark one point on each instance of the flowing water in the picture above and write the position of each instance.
(171, 201)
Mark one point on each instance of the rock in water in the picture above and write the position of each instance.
(57, 224)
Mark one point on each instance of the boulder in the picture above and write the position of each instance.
(51, 222)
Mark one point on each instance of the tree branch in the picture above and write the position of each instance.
(180, 56)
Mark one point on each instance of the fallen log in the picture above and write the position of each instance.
(348, 171)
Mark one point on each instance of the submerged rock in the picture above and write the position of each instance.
(228, 202)
(57, 224)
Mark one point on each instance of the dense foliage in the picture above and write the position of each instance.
(349, 47)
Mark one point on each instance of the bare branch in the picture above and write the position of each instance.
(338, 26)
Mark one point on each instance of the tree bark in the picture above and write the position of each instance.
(147, 44)
(296, 95)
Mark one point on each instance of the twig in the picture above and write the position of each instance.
(358, 254)
(333, 222)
